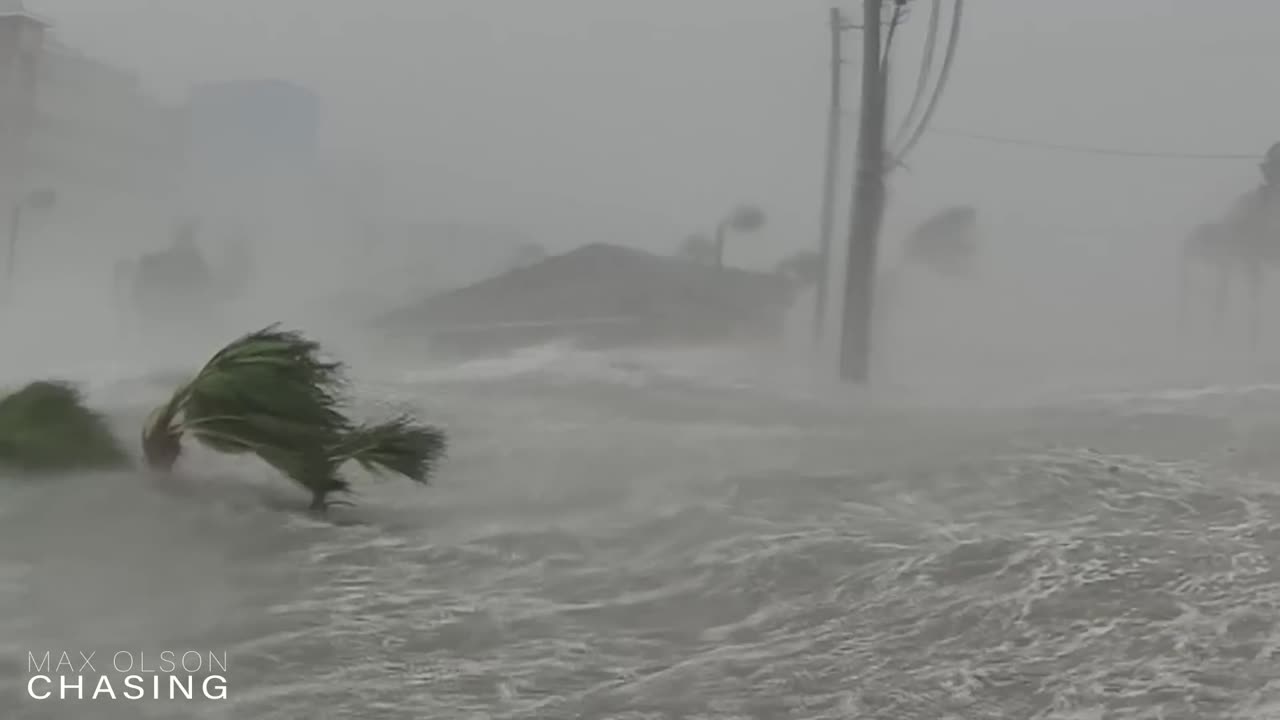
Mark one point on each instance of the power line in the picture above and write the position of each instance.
(922, 79)
(1091, 150)
(898, 9)
(949, 56)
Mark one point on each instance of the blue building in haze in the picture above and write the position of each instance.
(249, 128)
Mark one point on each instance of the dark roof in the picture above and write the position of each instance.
(601, 282)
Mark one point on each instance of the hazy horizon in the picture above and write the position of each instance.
(639, 123)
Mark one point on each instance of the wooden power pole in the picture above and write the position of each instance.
(868, 206)
(835, 116)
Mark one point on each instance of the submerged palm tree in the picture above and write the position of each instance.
(45, 427)
(270, 393)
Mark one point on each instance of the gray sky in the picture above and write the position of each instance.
(638, 122)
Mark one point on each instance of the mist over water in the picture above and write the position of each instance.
(1050, 504)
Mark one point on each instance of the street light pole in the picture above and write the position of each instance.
(36, 200)
(15, 228)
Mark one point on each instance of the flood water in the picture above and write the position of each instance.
(611, 541)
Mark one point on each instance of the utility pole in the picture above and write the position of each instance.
(11, 259)
(34, 200)
(868, 206)
(835, 116)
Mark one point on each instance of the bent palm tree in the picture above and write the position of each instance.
(270, 393)
(45, 427)
(947, 242)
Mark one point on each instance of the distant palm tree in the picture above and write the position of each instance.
(946, 242)
(1238, 247)
(742, 219)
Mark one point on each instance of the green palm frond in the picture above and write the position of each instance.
(271, 387)
(272, 372)
(272, 394)
(400, 446)
(46, 427)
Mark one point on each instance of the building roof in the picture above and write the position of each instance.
(16, 8)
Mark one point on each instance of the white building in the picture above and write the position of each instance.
(112, 153)
(21, 40)
(87, 131)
